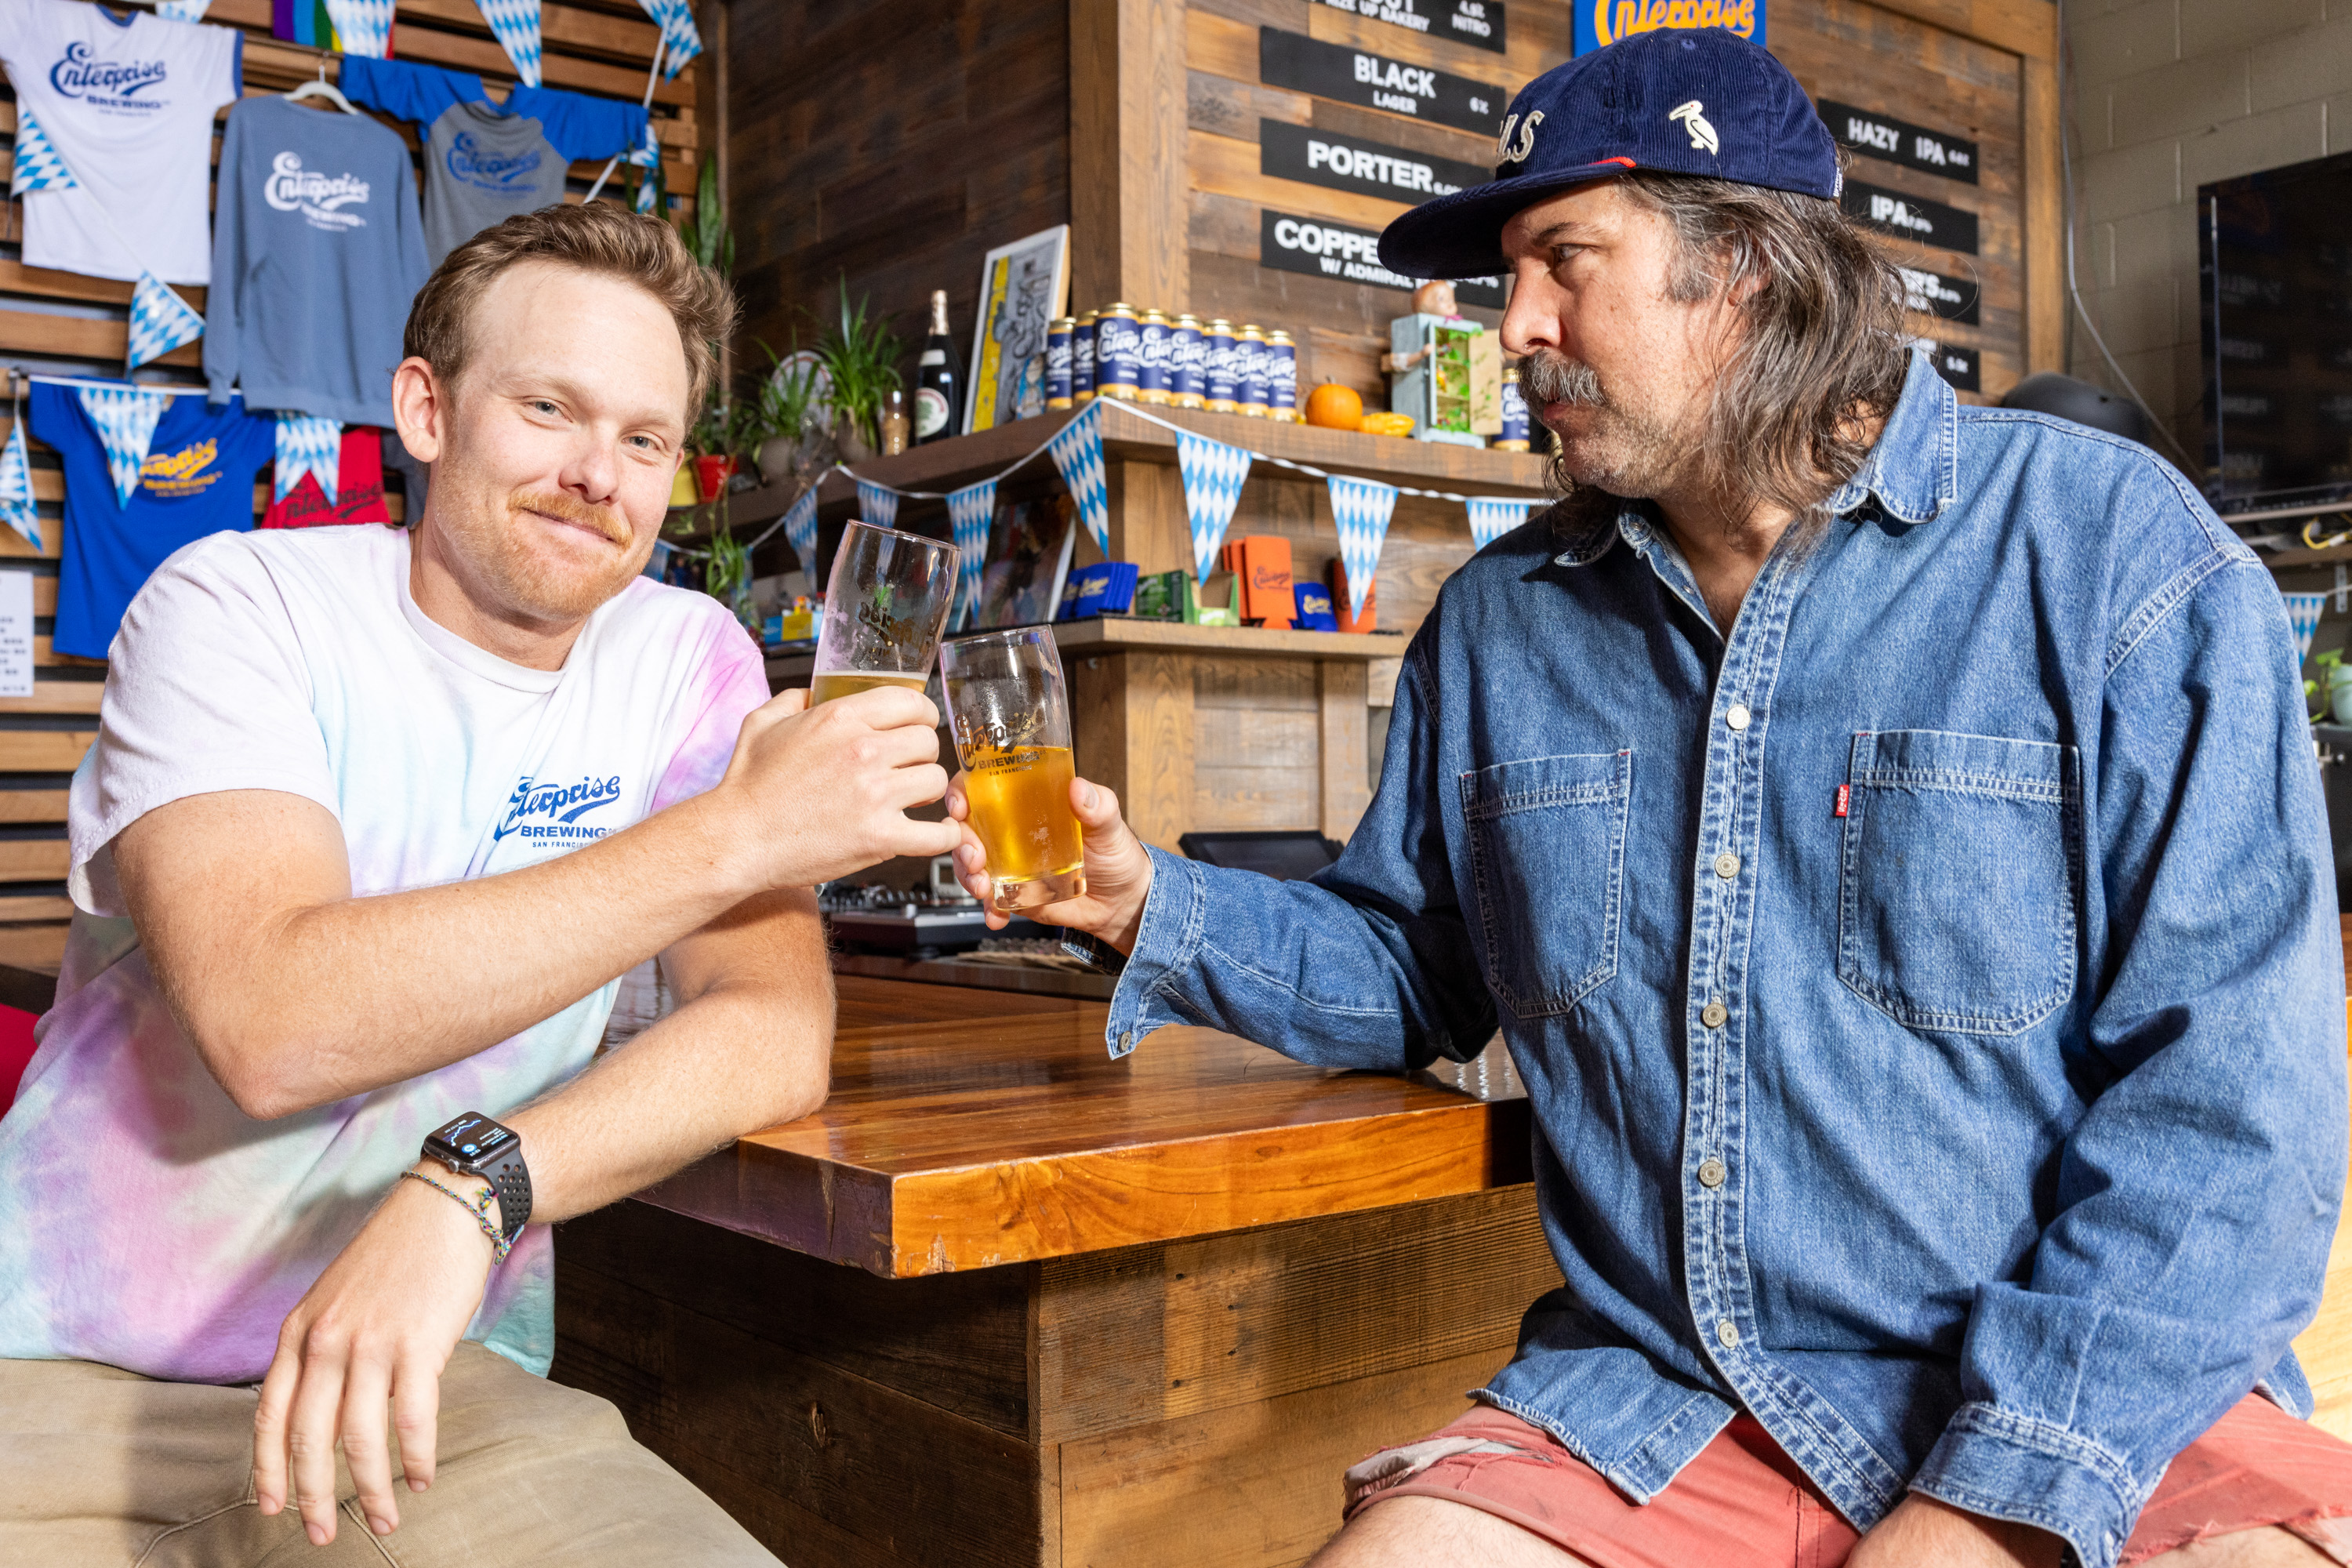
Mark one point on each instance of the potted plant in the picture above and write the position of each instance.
(861, 361)
(727, 577)
(2334, 687)
(706, 232)
(718, 437)
(788, 416)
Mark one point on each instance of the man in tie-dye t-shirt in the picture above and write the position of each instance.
(374, 822)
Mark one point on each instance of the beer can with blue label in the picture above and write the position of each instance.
(1281, 377)
(1513, 437)
(1082, 361)
(1058, 363)
(1152, 377)
(1118, 353)
(1250, 349)
(1220, 368)
(1188, 349)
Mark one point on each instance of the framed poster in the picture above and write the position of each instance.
(1029, 548)
(1024, 286)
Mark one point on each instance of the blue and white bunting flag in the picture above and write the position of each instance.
(2303, 612)
(681, 40)
(648, 158)
(1212, 473)
(970, 511)
(800, 531)
(364, 28)
(1362, 508)
(1078, 452)
(125, 419)
(160, 320)
(515, 24)
(16, 508)
(1491, 517)
(37, 166)
(877, 504)
(308, 444)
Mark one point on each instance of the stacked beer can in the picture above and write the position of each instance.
(1180, 363)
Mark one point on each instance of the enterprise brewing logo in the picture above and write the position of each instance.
(1348, 255)
(469, 163)
(553, 812)
(106, 84)
(293, 188)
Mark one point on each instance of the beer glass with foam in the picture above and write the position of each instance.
(1010, 718)
(884, 605)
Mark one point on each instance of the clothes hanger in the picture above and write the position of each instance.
(322, 88)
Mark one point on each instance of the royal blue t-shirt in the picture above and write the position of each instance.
(197, 479)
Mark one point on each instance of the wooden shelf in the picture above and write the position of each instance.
(963, 459)
(1120, 635)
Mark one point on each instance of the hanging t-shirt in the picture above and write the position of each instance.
(147, 1222)
(483, 164)
(359, 488)
(197, 479)
(318, 252)
(127, 103)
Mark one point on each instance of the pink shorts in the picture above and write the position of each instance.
(1743, 1503)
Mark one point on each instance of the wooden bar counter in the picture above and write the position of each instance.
(1006, 1301)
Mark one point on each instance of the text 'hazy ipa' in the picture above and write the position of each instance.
(825, 688)
(1021, 808)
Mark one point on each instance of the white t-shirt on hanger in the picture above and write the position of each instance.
(128, 102)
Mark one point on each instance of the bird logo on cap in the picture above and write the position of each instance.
(1702, 134)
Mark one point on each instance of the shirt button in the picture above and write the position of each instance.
(1727, 864)
(1127, 1040)
(1710, 1171)
(1727, 1334)
(1735, 716)
(1712, 1014)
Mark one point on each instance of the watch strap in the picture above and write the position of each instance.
(511, 1177)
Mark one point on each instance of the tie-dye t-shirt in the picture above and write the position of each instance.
(146, 1222)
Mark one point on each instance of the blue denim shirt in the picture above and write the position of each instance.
(1929, 995)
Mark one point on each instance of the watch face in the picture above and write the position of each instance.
(472, 1136)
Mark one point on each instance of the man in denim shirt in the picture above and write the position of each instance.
(1887, 836)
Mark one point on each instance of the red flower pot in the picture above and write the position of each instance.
(710, 475)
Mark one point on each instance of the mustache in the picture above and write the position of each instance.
(1547, 375)
(556, 504)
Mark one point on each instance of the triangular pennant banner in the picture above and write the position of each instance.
(1362, 509)
(125, 419)
(1212, 473)
(1491, 517)
(1078, 452)
(681, 41)
(2303, 611)
(364, 28)
(878, 504)
(308, 444)
(37, 167)
(648, 158)
(970, 511)
(800, 529)
(515, 24)
(16, 508)
(160, 320)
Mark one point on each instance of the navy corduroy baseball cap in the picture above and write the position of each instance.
(1680, 101)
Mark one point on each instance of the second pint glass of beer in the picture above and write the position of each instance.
(885, 604)
(1011, 725)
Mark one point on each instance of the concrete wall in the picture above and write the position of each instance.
(2168, 95)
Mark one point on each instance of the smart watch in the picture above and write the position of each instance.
(474, 1145)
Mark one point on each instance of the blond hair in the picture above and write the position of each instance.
(594, 237)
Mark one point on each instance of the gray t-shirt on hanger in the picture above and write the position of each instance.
(482, 167)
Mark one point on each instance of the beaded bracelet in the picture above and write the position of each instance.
(479, 1208)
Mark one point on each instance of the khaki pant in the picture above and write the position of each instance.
(99, 1466)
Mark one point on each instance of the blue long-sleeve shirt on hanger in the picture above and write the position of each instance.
(318, 249)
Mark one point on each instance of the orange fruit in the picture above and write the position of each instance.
(1388, 424)
(1335, 407)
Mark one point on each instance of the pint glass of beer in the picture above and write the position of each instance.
(1011, 725)
(884, 608)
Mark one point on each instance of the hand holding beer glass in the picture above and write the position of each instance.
(1011, 725)
(885, 606)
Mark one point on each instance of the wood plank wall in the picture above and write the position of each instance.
(62, 323)
(894, 141)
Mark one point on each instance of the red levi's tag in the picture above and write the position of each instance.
(1845, 793)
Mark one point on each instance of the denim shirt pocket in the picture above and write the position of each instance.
(1547, 853)
(1958, 881)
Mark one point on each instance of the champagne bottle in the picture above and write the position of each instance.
(939, 379)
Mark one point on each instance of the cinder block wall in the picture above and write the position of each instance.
(2168, 95)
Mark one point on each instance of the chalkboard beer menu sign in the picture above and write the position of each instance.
(1375, 82)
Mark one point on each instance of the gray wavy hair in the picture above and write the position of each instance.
(1823, 350)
